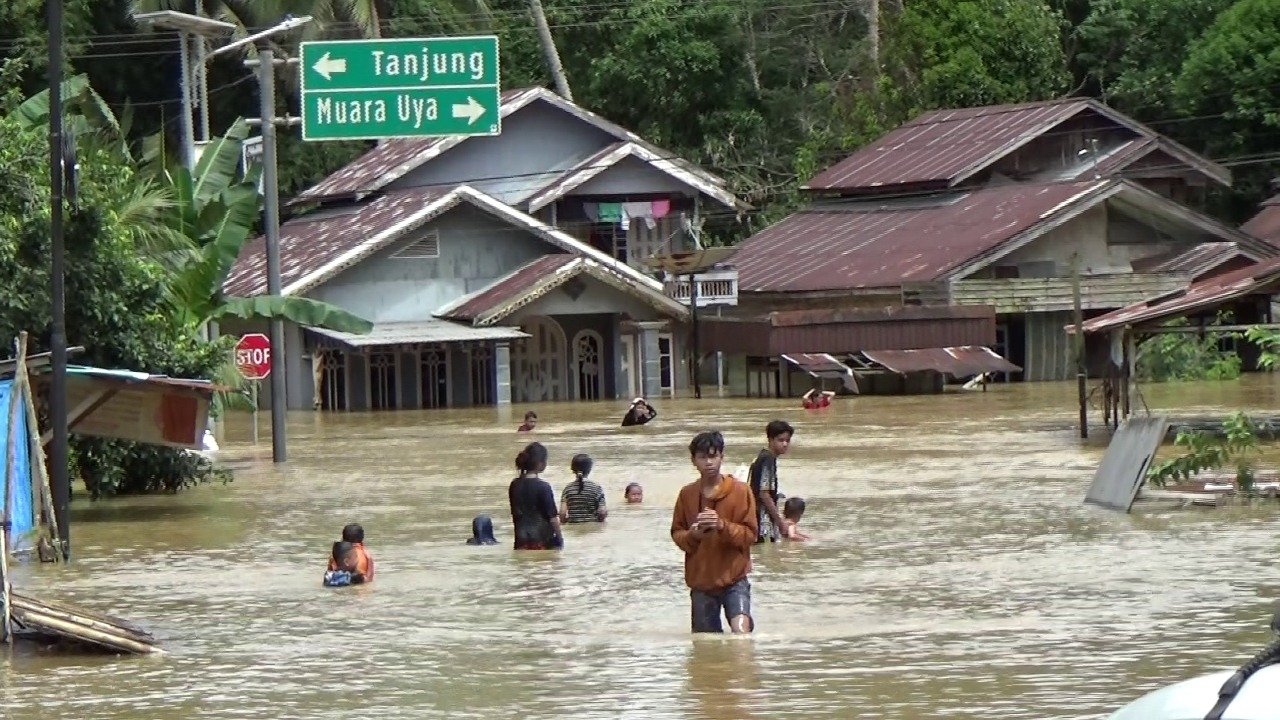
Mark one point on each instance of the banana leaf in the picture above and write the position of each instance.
(303, 311)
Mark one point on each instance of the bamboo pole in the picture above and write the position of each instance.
(83, 632)
(82, 617)
(38, 460)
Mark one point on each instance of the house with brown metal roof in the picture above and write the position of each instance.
(495, 269)
(994, 207)
(1266, 224)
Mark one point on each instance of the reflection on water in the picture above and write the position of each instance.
(954, 574)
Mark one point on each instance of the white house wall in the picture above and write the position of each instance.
(475, 250)
(1108, 242)
(534, 140)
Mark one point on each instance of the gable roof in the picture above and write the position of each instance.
(540, 276)
(943, 148)
(1266, 224)
(1196, 261)
(393, 159)
(882, 244)
(315, 248)
(610, 156)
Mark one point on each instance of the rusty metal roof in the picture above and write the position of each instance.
(851, 331)
(962, 361)
(1266, 224)
(393, 159)
(1193, 262)
(881, 244)
(943, 148)
(1260, 279)
(531, 281)
(316, 247)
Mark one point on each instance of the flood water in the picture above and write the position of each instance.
(954, 574)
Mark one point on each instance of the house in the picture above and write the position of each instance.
(1266, 224)
(495, 269)
(995, 206)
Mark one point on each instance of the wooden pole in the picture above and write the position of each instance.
(1082, 394)
(38, 460)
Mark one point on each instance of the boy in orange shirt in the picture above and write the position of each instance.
(354, 534)
(714, 523)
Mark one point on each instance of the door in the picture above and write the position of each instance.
(433, 374)
(666, 368)
(588, 364)
(541, 361)
(384, 370)
(627, 346)
(333, 379)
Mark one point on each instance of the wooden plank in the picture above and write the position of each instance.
(1123, 469)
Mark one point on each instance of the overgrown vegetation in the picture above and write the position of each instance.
(1180, 356)
(1237, 447)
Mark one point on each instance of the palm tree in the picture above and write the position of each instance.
(361, 17)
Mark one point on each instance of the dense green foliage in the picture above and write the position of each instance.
(1237, 447)
(1188, 356)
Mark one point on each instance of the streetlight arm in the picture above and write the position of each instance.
(283, 26)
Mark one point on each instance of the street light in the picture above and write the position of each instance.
(690, 263)
(192, 31)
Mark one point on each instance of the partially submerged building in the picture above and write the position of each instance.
(998, 207)
(495, 269)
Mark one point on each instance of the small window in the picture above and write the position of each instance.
(427, 246)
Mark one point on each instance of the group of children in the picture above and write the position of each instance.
(716, 521)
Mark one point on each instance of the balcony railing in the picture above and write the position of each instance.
(1016, 295)
(715, 287)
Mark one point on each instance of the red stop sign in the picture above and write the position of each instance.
(253, 356)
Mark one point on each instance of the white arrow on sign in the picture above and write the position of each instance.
(327, 66)
(472, 110)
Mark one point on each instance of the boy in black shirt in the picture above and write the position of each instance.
(764, 481)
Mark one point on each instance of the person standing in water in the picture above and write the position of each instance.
(639, 413)
(763, 477)
(634, 494)
(582, 500)
(714, 523)
(534, 515)
(530, 422)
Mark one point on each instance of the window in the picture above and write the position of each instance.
(433, 367)
(333, 379)
(382, 381)
(425, 247)
(482, 375)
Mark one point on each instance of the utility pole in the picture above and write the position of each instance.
(549, 50)
(59, 480)
(1078, 340)
(271, 218)
(693, 310)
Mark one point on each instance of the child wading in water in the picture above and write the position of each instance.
(792, 511)
(714, 523)
(343, 566)
(763, 477)
(534, 514)
(582, 500)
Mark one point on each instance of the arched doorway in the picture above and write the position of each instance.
(588, 365)
(540, 361)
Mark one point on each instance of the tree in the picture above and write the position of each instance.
(1230, 86)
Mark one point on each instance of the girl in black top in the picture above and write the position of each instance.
(533, 503)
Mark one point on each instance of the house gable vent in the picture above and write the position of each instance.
(427, 246)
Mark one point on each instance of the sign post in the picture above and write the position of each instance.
(377, 89)
(253, 360)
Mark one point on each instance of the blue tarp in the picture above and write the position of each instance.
(19, 503)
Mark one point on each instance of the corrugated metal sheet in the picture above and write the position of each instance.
(1260, 279)
(1266, 224)
(944, 146)
(818, 364)
(308, 242)
(848, 332)
(419, 333)
(1194, 262)
(1123, 470)
(963, 361)
(870, 244)
(507, 289)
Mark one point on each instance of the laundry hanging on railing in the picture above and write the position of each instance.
(622, 213)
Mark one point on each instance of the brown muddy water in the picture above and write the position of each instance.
(954, 574)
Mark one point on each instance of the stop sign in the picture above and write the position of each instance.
(253, 356)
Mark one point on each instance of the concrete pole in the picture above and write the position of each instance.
(549, 50)
(1082, 393)
(188, 129)
(271, 219)
(59, 479)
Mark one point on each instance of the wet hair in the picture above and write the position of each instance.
(581, 467)
(793, 508)
(709, 443)
(531, 415)
(341, 550)
(532, 459)
(778, 427)
(637, 486)
(353, 533)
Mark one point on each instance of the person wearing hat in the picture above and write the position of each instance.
(639, 413)
(482, 531)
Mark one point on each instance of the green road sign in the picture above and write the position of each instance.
(375, 89)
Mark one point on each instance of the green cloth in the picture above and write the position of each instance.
(610, 212)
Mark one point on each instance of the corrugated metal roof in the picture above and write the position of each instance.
(314, 248)
(1266, 224)
(943, 146)
(423, 332)
(821, 365)
(1260, 279)
(393, 159)
(507, 288)
(962, 361)
(1194, 262)
(872, 244)
(851, 331)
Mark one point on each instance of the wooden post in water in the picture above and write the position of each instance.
(1081, 391)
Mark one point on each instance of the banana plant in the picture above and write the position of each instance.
(218, 210)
